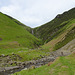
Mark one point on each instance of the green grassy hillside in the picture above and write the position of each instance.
(62, 36)
(16, 41)
(58, 32)
(19, 23)
(13, 35)
(51, 29)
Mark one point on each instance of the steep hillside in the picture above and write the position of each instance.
(62, 36)
(51, 29)
(19, 23)
(13, 35)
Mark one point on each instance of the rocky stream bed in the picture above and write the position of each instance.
(28, 64)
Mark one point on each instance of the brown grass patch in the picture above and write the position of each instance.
(64, 66)
(0, 39)
(50, 63)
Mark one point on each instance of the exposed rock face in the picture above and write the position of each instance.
(58, 16)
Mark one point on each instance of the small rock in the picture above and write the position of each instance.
(2, 55)
(25, 69)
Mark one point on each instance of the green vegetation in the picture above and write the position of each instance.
(19, 23)
(11, 51)
(32, 54)
(13, 35)
(25, 53)
(68, 37)
(50, 30)
(15, 39)
(62, 38)
(61, 66)
(17, 42)
(59, 34)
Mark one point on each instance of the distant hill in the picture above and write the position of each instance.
(47, 31)
(58, 32)
(54, 34)
(14, 34)
(62, 36)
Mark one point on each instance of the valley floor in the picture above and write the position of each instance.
(61, 66)
(31, 59)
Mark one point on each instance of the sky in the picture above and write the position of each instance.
(34, 13)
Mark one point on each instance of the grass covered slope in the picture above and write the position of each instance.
(50, 30)
(62, 36)
(61, 66)
(13, 35)
(19, 23)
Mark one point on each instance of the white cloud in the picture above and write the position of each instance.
(36, 12)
